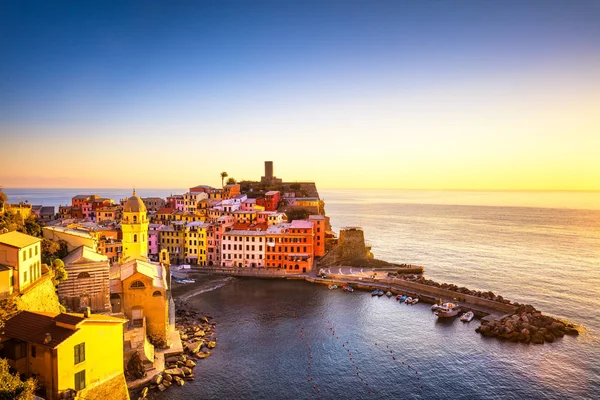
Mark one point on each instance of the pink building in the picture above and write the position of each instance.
(272, 200)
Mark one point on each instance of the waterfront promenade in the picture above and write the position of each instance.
(367, 279)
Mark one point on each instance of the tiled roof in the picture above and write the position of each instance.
(33, 327)
(68, 319)
(301, 224)
(271, 193)
(18, 239)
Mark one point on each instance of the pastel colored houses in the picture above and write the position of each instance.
(319, 222)
(271, 201)
(196, 242)
(244, 246)
(290, 246)
(80, 353)
(20, 262)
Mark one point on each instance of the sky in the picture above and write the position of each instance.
(495, 95)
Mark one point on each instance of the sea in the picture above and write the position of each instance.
(295, 340)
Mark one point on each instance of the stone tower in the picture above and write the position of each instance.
(134, 226)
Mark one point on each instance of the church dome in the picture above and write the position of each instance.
(134, 204)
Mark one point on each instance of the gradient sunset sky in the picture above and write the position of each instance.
(350, 94)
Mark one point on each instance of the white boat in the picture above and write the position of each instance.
(332, 287)
(435, 307)
(408, 300)
(447, 310)
(468, 316)
(388, 294)
(414, 301)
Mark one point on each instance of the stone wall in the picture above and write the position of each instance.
(40, 297)
(352, 243)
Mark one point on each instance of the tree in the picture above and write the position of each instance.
(295, 186)
(223, 176)
(52, 250)
(3, 198)
(12, 387)
(60, 273)
(231, 181)
(297, 213)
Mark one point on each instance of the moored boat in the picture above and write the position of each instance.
(332, 287)
(447, 310)
(375, 292)
(380, 293)
(398, 296)
(402, 298)
(415, 300)
(408, 300)
(388, 294)
(468, 316)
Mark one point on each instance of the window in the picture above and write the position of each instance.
(25, 276)
(134, 238)
(79, 353)
(30, 253)
(83, 275)
(80, 380)
(36, 250)
(156, 294)
(137, 285)
(24, 255)
(33, 352)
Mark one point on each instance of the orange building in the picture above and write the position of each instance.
(231, 190)
(290, 246)
(319, 229)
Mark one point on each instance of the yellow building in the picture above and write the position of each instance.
(73, 236)
(139, 289)
(195, 243)
(20, 262)
(134, 226)
(65, 352)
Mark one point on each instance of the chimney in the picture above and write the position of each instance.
(87, 312)
(48, 338)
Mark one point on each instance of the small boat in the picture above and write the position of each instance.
(447, 310)
(408, 300)
(398, 296)
(348, 288)
(332, 287)
(468, 316)
(375, 292)
(388, 294)
(402, 298)
(380, 293)
(435, 307)
(414, 301)
(184, 280)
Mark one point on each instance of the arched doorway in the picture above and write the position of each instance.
(115, 303)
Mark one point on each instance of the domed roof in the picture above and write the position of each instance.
(134, 204)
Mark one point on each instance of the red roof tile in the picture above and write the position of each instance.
(33, 327)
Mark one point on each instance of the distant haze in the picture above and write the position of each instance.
(350, 94)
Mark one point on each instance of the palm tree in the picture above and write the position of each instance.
(223, 176)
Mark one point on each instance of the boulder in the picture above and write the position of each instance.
(144, 393)
(548, 337)
(538, 338)
(167, 383)
(162, 387)
(167, 378)
(186, 371)
(190, 377)
(179, 381)
(194, 347)
(190, 364)
(171, 360)
(212, 345)
(202, 355)
(175, 372)
(199, 334)
(157, 380)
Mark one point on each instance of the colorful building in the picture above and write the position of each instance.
(67, 352)
(320, 225)
(272, 199)
(134, 226)
(244, 246)
(290, 246)
(196, 243)
(231, 190)
(20, 262)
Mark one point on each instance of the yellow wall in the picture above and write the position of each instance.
(135, 230)
(198, 237)
(73, 241)
(6, 288)
(103, 354)
(26, 260)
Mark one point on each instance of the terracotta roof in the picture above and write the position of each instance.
(33, 327)
(166, 210)
(68, 319)
(18, 239)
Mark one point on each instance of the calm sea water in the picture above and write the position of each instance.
(538, 248)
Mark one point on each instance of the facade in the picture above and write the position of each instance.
(320, 227)
(108, 214)
(195, 243)
(66, 352)
(290, 246)
(87, 284)
(231, 190)
(154, 203)
(134, 227)
(72, 236)
(139, 289)
(175, 201)
(272, 199)
(20, 262)
(154, 240)
(172, 239)
(191, 199)
(244, 246)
